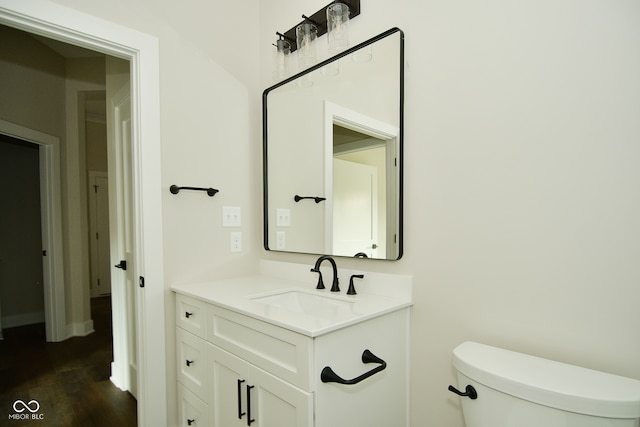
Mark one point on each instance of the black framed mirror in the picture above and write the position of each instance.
(332, 154)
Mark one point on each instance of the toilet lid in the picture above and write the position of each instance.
(546, 382)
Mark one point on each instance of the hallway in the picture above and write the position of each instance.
(69, 380)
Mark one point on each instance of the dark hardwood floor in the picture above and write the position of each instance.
(69, 380)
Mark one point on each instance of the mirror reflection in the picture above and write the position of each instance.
(333, 155)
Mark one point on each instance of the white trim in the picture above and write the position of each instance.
(23, 319)
(71, 26)
(81, 329)
(51, 223)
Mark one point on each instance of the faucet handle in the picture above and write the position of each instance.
(352, 289)
(320, 281)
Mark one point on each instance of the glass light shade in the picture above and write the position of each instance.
(306, 34)
(281, 60)
(337, 27)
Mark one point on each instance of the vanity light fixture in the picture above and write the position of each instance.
(319, 19)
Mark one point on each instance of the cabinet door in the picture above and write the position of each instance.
(244, 395)
(276, 403)
(229, 388)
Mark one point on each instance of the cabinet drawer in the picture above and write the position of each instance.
(281, 352)
(192, 412)
(191, 315)
(192, 362)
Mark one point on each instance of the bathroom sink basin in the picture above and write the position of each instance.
(314, 304)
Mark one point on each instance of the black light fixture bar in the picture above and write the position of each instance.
(320, 19)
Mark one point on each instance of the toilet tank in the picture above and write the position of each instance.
(519, 390)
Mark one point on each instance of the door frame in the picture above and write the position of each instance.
(350, 119)
(142, 51)
(51, 223)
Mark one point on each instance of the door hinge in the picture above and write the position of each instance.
(141, 282)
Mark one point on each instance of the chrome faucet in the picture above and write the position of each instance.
(316, 269)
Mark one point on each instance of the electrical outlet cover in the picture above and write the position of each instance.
(236, 241)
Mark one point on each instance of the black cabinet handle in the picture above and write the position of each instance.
(249, 420)
(189, 362)
(328, 376)
(469, 392)
(187, 314)
(189, 422)
(240, 413)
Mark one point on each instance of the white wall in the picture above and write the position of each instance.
(521, 179)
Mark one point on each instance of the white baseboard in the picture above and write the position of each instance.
(22, 319)
(118, 382)
(80, 329)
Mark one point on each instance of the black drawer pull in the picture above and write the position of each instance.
(187, 314)
(240, 413)
(189, 362)
(328, 376)
(249, 420)
(189, 422)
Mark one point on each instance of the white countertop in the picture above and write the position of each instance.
(239, 295)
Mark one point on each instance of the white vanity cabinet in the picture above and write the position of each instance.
(237, 370)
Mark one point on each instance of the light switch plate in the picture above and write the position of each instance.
(231, 216)
(283, 217)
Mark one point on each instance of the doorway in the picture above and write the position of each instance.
(21, 256)
(89, 143)
(50, 213)
(85, 147)
(76, 28)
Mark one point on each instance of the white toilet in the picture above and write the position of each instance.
(518, 390)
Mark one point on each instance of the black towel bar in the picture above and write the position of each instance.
(317, 199)
(174, 189)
